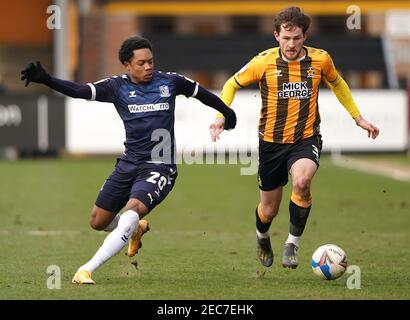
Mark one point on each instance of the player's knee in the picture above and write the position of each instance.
(142, 209)
(137, 206)
(301, 185)
(96, 224)
(269, 211)
(97, 219)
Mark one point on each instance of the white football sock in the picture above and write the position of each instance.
(293, 239)
(113, 224)
(115, 241)
(263, 235)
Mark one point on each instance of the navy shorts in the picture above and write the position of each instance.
(148, 182)
(276, 159)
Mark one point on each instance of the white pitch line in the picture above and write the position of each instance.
(392, 172)
(44, 233)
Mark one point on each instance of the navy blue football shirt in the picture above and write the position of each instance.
(147, 110)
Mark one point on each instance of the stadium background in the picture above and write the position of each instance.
(56, 151)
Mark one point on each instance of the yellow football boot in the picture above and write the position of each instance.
(83, 277)
(135, 242)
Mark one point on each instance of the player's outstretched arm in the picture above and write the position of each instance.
(35, 72)
(208, 98)
(227, 96)
(343, 94)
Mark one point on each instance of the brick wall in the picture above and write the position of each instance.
(103, 35)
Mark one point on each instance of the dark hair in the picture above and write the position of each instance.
(128, 46)
(292, 17)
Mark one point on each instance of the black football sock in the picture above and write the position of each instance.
(262, 226)
(298, 218)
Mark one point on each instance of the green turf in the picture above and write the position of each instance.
(202, 242)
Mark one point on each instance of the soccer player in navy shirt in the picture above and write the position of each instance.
(146, 173)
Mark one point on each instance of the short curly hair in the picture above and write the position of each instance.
(126, 51)
(292, 17)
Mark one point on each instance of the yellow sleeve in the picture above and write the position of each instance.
(343, 94)
(339, 87)
(244, 77)
(328, 69)
(228, 93)
(250, 73)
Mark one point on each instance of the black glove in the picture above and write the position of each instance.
(230, 119)
(34, 73)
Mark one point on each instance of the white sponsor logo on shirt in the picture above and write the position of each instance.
(136, 108)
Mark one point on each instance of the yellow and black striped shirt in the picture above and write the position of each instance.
(289, 92)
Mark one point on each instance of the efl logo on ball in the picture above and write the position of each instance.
(329, 262)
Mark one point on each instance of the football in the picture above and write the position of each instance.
(329, 262)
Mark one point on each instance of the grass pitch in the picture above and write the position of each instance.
(202, 239)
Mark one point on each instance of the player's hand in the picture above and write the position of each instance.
(372, 130)
(216, 128)
(34, 73)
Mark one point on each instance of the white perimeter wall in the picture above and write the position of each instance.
(94, 127)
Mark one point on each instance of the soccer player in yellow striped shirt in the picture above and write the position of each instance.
(289, 136)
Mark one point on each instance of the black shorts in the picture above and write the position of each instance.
(276, 159)
(148, 182)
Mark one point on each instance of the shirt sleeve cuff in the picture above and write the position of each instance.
(93, 91)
